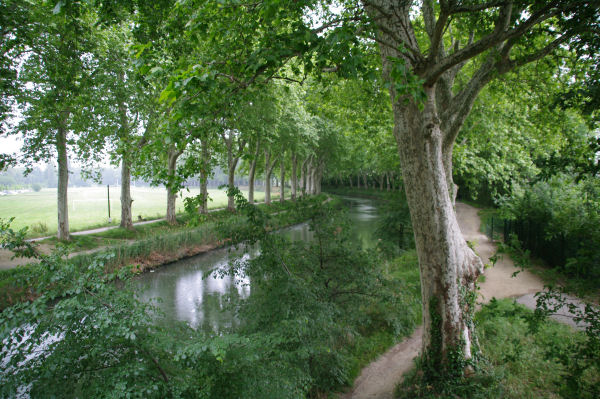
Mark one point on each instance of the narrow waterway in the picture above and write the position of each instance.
(190, 291)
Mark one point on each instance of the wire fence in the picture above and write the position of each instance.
(553, 250)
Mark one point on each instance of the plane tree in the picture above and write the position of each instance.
(55, 82)
(424, 47)
(125, 101)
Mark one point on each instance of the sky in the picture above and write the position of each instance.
(10, 145)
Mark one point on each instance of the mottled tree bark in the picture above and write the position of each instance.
(126, 200)
(63, 184)
(425, 135)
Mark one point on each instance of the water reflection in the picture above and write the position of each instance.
(364, 215)
(189, 291)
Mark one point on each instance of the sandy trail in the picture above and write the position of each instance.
(378, 379)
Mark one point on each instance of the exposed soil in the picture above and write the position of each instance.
(156, 259)
(379, 379)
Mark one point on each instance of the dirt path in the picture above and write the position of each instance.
(378, 379)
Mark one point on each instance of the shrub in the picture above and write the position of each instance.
(557, 220)
(37, 187)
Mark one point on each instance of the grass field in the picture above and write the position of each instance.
(88, 206)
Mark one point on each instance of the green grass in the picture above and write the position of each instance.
(88, 206)
(523, 360)
(403, 271)
(517, 364)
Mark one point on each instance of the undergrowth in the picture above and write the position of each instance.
(518, 362)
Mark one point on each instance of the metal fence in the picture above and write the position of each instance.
(532, 237)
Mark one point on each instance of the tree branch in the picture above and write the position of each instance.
(428, 17)
(438, 33)
(462, 8)
(493, 39)
(454, 117)
(541, 53)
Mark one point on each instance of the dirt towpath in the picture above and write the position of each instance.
(378, 379)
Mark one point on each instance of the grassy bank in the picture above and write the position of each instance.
(375, 339)
(148, 246)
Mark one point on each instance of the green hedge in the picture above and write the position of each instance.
(559, 221)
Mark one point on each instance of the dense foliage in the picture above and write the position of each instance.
(557, 220)
(311, 306)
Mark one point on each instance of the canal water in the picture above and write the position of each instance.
(191, 291)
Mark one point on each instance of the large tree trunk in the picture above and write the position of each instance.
(171, 197)
(315, 180)
(448, 266)
(126, 216)
(203, 208)
(63, 184)
(309, 178)
(231, 184)
(172, 156)
(448, 273)
(251, 174)
(282, 178)
(294, 176)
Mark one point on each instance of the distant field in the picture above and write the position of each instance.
(88, 206)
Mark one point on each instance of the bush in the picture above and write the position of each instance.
(558, 222)
(37, 187)
(580, 358)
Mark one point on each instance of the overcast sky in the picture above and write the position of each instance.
(10, 144)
